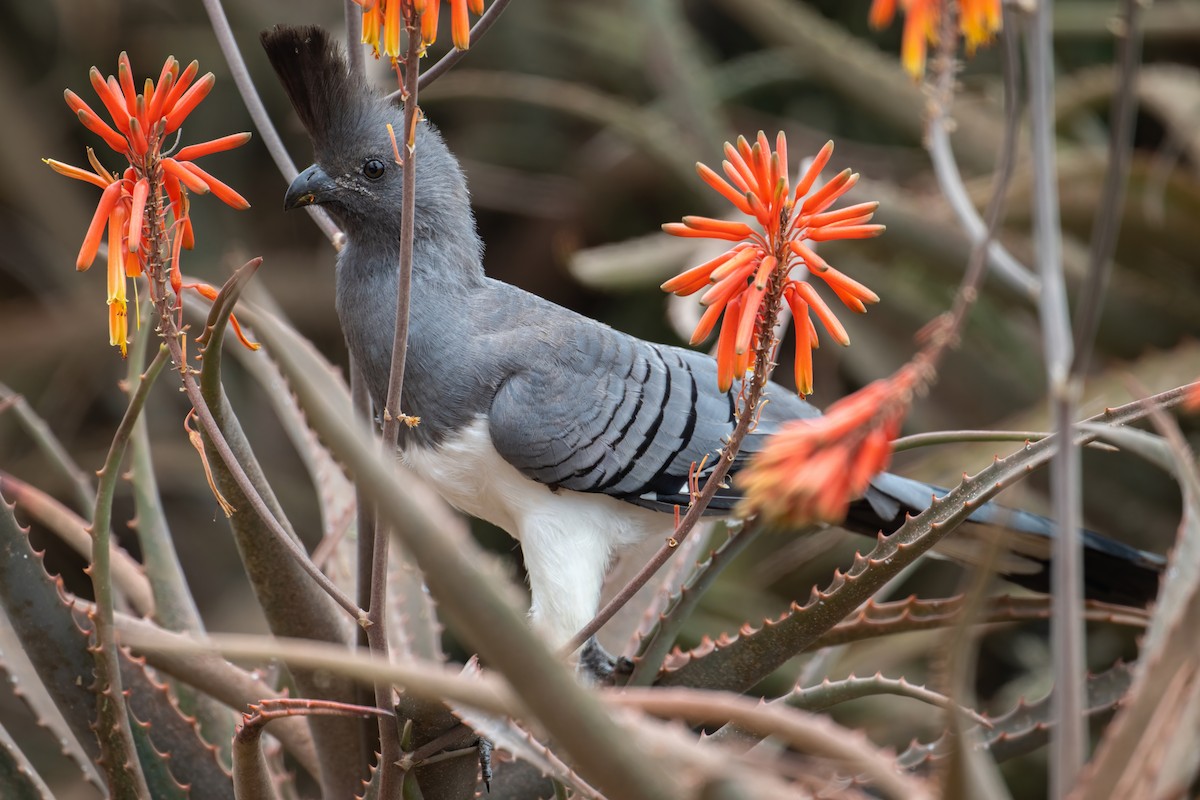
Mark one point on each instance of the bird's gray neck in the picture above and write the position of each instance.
(447, 274)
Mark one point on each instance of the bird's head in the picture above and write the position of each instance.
(355, 175)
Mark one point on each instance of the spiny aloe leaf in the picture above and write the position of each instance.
(18, 779)
(194, 762)
(874, 619)
(660, 638)
(1027, 726)
(292, 603)
(19, 674)
(738, 662)
(54, 644)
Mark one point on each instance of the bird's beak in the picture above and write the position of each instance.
(311, 187)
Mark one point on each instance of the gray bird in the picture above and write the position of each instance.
(573, 437)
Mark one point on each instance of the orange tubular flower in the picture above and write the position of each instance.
(132, 206)
(383, 19)
(813, 468)
(978, 20)
(739, 280)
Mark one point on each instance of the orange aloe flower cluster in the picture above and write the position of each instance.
(738, 281)
(813, 468)
(978, 21)
(383, 19)
(131, 204)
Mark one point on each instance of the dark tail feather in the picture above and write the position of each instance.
(1113, 572)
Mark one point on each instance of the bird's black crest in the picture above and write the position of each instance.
(313, 71)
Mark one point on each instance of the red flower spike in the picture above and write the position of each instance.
(91, 240)
(979, 20)
(194, 151)
(757, 267)
(177, 113)
(137, 214)
(141, 124)
(812, 469)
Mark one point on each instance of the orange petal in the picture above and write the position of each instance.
(705, 326)
(114, 104)
(118, 326)
(733, 283)
(697, 276)
(814, 170)
(391, 28)
(823, 312)
(137, 214)
(764, 272)
(726, 228)
(725, 345)
(137, 138)
(194, 151)
(91, 240)
(460, 25)
(76, 173)
(223, 192)
(679, 229)
(840, 283)
(745, 253)
(814, 262)
(845, 232)
(188, 102)
(738, 199)
(782, 151)
(429, 22)
(184, 176)
(125, 78)
(825, 196)
(182, 83)
(843, 214)
(745, 332)
(881, 13)
(158, 100)
(476, 7)
(736, 178)
(739, 163)
(116, 262)
(801, 321)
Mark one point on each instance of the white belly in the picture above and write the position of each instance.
(567, 537)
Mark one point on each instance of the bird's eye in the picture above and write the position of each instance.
(373, 168)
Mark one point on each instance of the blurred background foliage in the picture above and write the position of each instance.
(578, 125)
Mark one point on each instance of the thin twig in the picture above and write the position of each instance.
(258, 112)
(1068, 745)
(392, 777)
(1120, 151)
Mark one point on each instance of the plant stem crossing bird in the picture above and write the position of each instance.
(575, 438)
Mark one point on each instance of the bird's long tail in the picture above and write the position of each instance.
(1113, 572)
